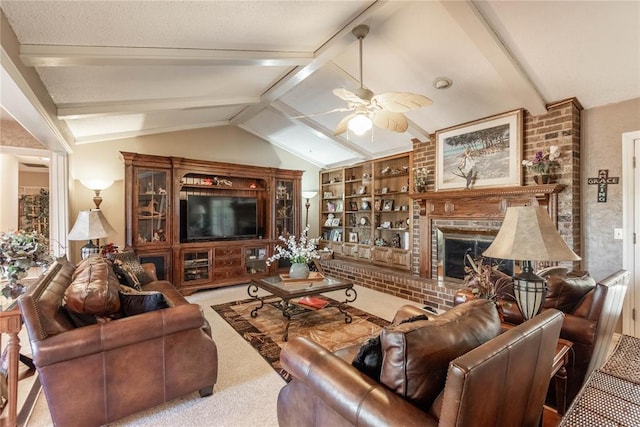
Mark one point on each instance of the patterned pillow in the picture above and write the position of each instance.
(129, 270)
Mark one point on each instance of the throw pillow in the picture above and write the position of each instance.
(564, 293)
(93, 289)
(416, 356)
(368, 360)
(137, 302)
(130, 269)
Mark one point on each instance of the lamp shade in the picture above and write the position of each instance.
(309, 194)
(96, 184)
(89, 225)
(527, 233)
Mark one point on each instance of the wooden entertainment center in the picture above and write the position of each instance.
(157, 189)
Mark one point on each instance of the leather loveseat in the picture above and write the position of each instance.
(591, 313)
(470, 373)
(92, 375)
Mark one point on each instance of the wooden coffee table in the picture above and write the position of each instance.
(282, 293)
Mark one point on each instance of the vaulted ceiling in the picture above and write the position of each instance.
(117, 69)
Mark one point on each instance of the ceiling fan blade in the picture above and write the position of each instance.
(342, 126)
(395, 122)
(399, 102)
(348, 96)
(335, 110)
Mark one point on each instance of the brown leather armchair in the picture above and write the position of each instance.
(591, 314)
(93, 375)
(502, 382)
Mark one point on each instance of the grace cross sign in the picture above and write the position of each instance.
(603, 180)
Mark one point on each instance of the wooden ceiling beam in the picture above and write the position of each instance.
(66, 56)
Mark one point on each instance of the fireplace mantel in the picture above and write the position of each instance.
(477, 204)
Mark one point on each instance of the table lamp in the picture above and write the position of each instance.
(90, 225)
(528, 234)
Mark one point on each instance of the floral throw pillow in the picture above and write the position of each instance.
(129, 270)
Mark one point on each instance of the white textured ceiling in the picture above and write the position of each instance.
(124, 68)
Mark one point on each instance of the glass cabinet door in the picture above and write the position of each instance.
(151, 216)
(285, 209)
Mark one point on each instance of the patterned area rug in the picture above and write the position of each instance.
(326, 327)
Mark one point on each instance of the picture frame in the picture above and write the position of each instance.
(353, 206)
(384, 190)
(377, 204)
(387, 205)
(404, 188)
(353, 237)
(335, 222)
(365, 205)
(462, 162)
(331, 207)
(361, 190)
(339, 206)
(327, 194)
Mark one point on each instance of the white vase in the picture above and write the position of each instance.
(299, 270)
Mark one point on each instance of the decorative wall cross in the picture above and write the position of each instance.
(603, 180)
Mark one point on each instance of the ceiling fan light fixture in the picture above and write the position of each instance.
(360, 124)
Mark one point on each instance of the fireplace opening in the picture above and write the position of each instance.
(455, 244)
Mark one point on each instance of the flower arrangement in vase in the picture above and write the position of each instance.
(543, 163)
(299, 252)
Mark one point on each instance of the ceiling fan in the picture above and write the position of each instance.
(383, 110)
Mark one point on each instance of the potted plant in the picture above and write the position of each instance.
(19, 251)
(543, 163)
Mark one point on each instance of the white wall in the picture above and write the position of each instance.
(602, 130)
(8, 192)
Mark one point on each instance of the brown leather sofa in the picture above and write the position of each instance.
(591, 312)
(501, 382)
(93, 375)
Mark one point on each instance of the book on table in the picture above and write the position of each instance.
(313, 302)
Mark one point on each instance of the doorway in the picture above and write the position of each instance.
(630, 224)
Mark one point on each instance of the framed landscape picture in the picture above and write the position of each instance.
(483, 153)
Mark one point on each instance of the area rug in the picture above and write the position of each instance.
(326, 327)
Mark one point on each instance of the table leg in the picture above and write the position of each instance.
(252, 290)
(350, 296)
(561, 390)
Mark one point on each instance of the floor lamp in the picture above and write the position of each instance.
(528, 234)
(308, 195)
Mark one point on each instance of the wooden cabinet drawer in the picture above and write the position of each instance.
(229, 252)
(227, 262)
(228, 273)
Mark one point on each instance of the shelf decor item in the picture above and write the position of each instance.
(299, 252)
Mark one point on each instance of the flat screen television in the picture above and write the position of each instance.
(220, 217)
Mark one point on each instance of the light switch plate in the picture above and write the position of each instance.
(617, 233)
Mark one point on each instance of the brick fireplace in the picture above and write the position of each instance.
(559, 126)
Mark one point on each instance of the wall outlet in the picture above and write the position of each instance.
(617, 233)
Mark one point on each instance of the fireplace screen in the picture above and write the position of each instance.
(455, 244)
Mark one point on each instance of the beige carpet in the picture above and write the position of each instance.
(247, 388)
